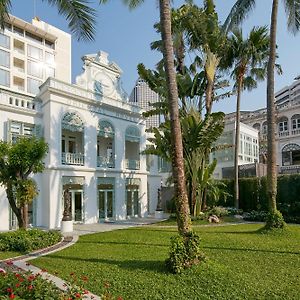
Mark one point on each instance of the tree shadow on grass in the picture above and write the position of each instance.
(123, 243)
(252, 250)
(156, 266)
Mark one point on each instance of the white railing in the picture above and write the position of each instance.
(284, 133)
(132, 164)
(72, 159)
(105, 162)
(295, 131)
(292, 169)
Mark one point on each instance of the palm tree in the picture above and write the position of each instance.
(249, 58)
(182, 204)
(80, 16)
(238, 13)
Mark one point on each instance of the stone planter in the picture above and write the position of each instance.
(159, 214)
(66, 226)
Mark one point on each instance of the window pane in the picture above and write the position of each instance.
(4, 41)
(49, 58)
(50, 72)
(4, 77)
(18, 31)
(35, 52)
(33, 85)
(35, 69)
(34, 37)
(49, 44)
(4, 58)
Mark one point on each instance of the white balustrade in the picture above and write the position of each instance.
(72, 159)
(132, 164)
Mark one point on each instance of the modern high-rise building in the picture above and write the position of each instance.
(143, 96)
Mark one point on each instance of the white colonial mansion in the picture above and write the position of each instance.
(288, 128)
(95, 135)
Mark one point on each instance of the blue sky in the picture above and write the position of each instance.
(126, 36)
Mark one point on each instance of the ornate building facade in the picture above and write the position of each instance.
(95, 135)
(287, 124)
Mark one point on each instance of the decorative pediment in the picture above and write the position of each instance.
(102, 77)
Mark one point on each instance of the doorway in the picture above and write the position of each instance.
(106, 206)
(133, 207)
(77, 205)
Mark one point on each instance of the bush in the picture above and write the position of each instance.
(28, 240)
(257, 216)
(219, 211)
(184, 253)
(274, 220)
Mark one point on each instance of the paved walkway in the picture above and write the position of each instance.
(70, 239)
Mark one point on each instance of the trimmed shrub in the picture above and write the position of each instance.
(28, 240)
(184, 253)
(274, 220)
(257, 216)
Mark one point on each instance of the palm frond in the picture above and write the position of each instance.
(239, 12)
(5, 7)
(81, 17)
(292, 9)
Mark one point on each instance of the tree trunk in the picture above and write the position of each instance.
(237, 144)
(182, 205)
(209, 96)
(271, 162)
(12, 202)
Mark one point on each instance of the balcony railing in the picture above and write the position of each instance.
(295, 131)
(292, 169)
(283, 133)
(132, 164)
(105, 162)
(72, 159)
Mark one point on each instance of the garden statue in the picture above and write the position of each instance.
(67, 214)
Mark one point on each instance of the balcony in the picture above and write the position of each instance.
(295, 131)
(76, 159)
(283, 133)
(132, 164)
(105, 162)
(292, 169)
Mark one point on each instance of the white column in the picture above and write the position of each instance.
(90, 199)
(120, 147)
(120, 198)
(90, 146)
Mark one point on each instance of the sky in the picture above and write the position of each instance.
(126, 36)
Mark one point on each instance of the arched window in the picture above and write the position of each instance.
(256, 126)
(291, 154)
(106, 129)
(72, 122)
(283, 124)
(132, 134)
(264, 128)
(295, 122)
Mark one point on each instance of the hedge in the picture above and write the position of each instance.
(253, 195)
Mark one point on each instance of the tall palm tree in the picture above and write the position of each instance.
(182, 204)
(238, 13)
(80, 16)
(249, 59)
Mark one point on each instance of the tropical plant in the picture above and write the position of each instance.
(238, 13)
(249, 59)
(80, 16)
(18, 162)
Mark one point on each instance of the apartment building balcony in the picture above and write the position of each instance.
(105, 162)
(132, 164)
(284, 133)
(76, 159)
(295, 131)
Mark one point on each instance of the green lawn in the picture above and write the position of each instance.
(8, 254)
(242, 264)
(172, 221)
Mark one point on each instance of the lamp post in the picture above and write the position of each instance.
(159, 214)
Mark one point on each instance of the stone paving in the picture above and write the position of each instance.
(22, 262)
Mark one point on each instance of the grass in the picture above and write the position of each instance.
(172, 221)
(8, 254)
(241, 264)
